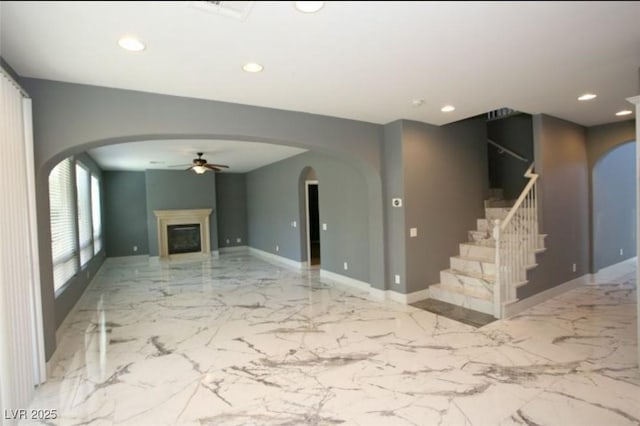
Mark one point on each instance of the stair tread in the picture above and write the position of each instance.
(461, 292)
(473, 259)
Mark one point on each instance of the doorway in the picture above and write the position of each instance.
(313, 222)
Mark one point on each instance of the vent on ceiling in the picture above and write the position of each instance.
(497, 114)
(233, 9)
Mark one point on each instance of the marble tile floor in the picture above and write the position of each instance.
(238, 341)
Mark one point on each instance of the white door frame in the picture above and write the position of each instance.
(306, 208)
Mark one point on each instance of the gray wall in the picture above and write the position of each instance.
(505, 171)
(561, 161)
(231, 196)
(601, 140)
(394, 216)
(72, 292)
(71, 118)
(169, 189)
(273, 202)
(614, 206)
(125, 197)
(445, 183)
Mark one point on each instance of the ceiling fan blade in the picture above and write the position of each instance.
(189, 168)
(222, 166)
(212, 167)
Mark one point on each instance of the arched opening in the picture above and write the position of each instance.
(614, 206)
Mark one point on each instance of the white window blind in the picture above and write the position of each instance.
(96, 214)
(83, 182)
(63, 229)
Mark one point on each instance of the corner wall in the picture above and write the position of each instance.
(563, 199)
(231, 199)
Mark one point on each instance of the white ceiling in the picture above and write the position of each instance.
(241, 157)
(358, 60)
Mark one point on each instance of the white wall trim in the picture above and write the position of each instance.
(234, 249)
(614, 271)
(270, 257)
(515, 308)
(409, 298)
(332, 277)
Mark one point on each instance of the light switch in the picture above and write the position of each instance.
(294, 224)
(413, 232)
(324, 226)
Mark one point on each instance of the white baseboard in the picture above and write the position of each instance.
(615, 271)
(234, 249)
(377, 294)
(344, 280)
(521, 305)
(277, 259)
(409, 298)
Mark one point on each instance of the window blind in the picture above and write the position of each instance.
(96, 214)
(83, 182)
(62, 218)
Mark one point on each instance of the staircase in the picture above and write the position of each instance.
(471, 278)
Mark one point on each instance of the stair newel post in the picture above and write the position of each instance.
(497, 286)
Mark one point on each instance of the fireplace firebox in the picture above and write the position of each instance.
(184, 238)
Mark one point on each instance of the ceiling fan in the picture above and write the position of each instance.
(200, 165)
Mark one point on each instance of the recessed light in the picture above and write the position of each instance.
(417, 102)
(587, 97)
(448, 108)
(252, 67)
(624, 112)
(309, 6)
(131, 44)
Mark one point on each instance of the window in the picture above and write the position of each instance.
(96, 214)
(63, 227)
(83, 181)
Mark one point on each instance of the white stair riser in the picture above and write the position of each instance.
(439, 292)
(480, 236)
(466, 284)
(478, 252)
(472, 266)
(493, 213)
(483, 225)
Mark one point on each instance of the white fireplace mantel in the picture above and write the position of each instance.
(183, 217)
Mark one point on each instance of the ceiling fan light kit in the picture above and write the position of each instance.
(200, 165)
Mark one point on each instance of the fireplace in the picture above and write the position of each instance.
(183, 233)
(184, 238)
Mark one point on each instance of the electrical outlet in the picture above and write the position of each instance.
(294, 224)
(227, 241)
(397, 280)
(574, 267)
(324, 226)
(621, 252)
(135, 248)
(277, 248)
(346, 266)
(238, 240)
(413, 232)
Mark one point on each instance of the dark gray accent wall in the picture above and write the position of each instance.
(125, 196)
(614, 206)
(71, 118)
(231, 196)
(516, 134)
(445, 183)
(393, 165)
(601, 140)
(168, 190)
(563, 197)
(273, 203)
(76, 286)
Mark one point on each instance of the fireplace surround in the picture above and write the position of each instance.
(184, 217)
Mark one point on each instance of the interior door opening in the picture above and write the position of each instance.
(313, 221)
